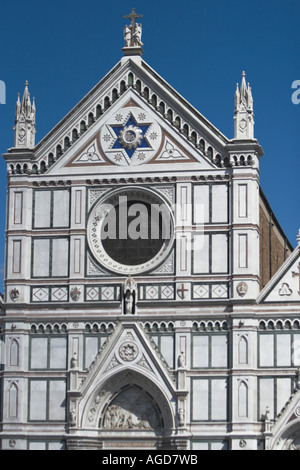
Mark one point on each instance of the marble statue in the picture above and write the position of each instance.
(127, 36)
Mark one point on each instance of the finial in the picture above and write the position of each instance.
(298, 238)
(25, 121)
(243, 113)
(133, 35)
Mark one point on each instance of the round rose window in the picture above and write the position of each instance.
(131, 231)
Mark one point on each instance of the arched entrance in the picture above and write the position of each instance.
(130, 411)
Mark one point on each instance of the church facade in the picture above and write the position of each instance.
(152, 300)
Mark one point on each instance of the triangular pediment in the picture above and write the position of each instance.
(129, 347)
(130, 135)
(285, 284)
(127, 361)
(285, 431)
(122, 125)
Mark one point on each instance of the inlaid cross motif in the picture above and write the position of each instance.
(294, 274)
(182, 291)
(133, 16)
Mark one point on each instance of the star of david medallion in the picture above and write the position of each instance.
(130, 136)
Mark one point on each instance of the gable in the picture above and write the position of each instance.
(127, 359)
(284, 433)
(129, 135)
(135, 95)
(129, 346)
(285, 285)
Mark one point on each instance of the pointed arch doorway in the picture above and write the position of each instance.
(130, 411)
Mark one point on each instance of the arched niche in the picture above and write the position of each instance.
(243, 350)
(132, 396)
(289, 439)
(132, 409)
(14, 353)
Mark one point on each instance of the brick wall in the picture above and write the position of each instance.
(274, 245)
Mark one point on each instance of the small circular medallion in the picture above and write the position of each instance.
(242, 288)
(130, 137)
(128, 352)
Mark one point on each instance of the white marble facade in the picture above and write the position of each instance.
(179, 350)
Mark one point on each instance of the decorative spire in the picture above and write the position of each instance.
(25, 121)
(243, 113)
(298, 238)
(133, 35)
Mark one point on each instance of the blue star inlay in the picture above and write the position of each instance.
(141, 140)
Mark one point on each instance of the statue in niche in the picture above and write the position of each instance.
(181, 416)
(129, 303)
(72, 417)
(74, 361)
(181, 360)
(129, 294)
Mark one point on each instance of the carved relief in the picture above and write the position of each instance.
(128, 352)
(285, 290)
(242, 288)
(96, 404)
(144, 363)
(14, 294)
(75, 294)
(95, 194)
(167, 192)
(243, 125)
(293, 446)
(132, 409)
(167, 266)
(113, 363)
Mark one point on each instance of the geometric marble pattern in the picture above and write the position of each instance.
(210, 291)
(59, 294)
(40, 294)
(220, 291)
(152, 292)
(167, 292)
(201, 291)
(157, 292)
(92, 293)
(102, 293)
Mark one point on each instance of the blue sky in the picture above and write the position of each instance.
(63, 48)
